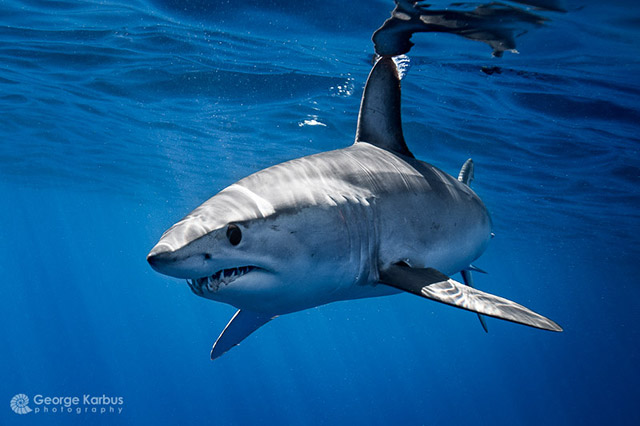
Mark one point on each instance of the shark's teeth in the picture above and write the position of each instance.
(212, 283)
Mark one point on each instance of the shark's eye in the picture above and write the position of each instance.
(234, 234)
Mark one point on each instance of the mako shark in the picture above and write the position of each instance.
(363, 221)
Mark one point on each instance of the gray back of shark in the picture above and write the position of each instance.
(367, 220)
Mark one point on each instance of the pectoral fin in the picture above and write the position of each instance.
(434, 285)
(242, 324)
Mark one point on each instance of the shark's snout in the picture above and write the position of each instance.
(175, 263)
(159, 259)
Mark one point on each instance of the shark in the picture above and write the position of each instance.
(363, 221)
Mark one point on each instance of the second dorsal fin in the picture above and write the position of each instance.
(379, 120)
(466, 172)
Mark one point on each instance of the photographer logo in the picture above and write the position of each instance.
(20, 404)
(84, 404)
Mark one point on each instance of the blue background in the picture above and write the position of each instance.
(118, 118)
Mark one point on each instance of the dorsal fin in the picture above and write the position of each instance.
(466, 172)
(379, 121)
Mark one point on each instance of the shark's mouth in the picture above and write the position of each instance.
(213, 282)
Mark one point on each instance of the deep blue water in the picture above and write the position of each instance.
(119, 117)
